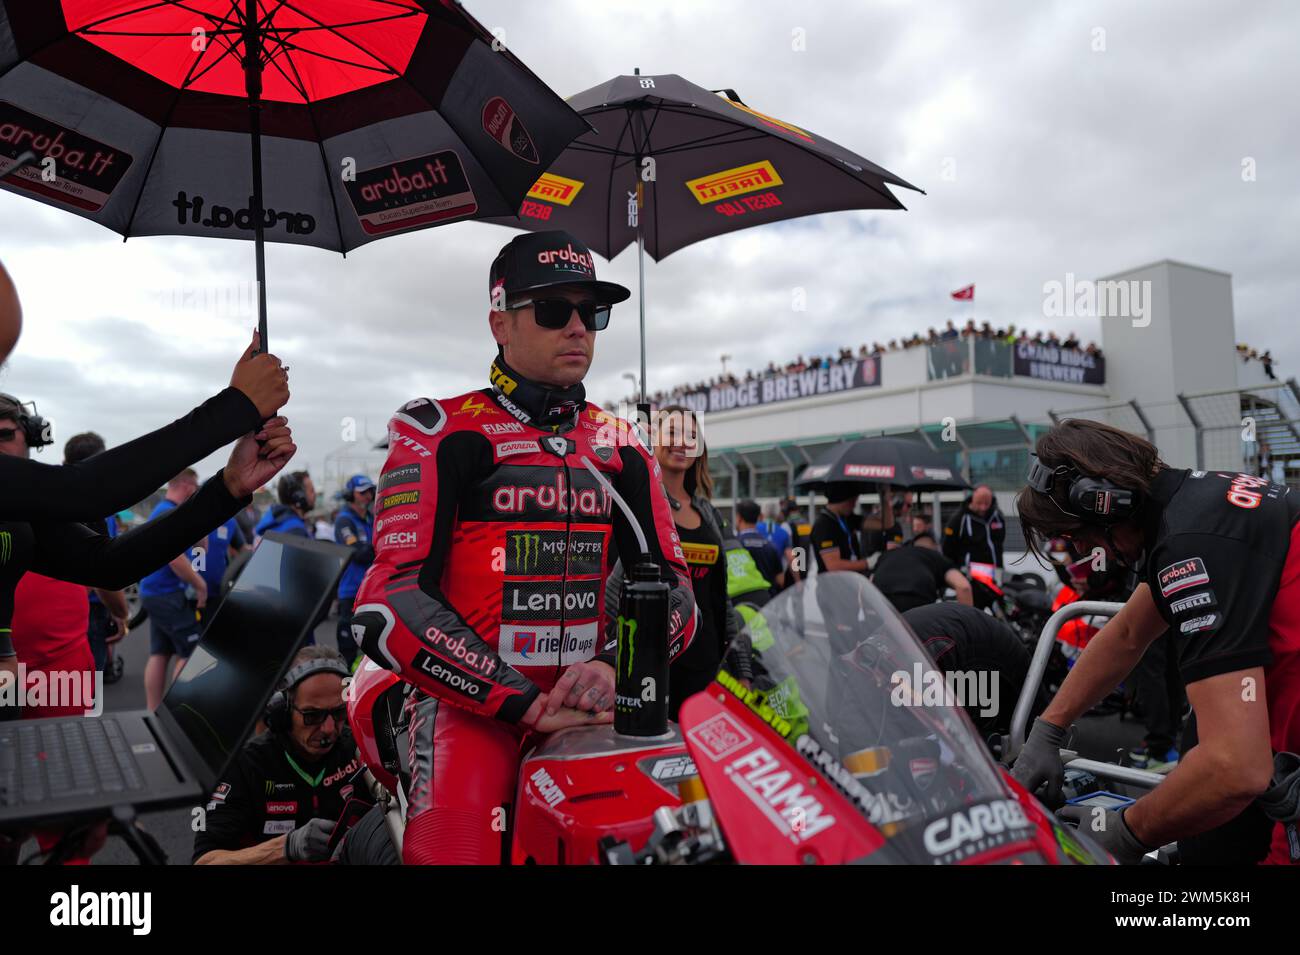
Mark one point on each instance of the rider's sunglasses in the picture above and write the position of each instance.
(317, 717)
(553, 313)
(8, 434)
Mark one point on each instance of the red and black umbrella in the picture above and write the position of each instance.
(670, 163)
(316, 122)
(870, 461)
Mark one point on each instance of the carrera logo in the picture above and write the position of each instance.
(567, 257)
(720, 736)
(398, 499)
(523, 645)
(503, 427)
(400, 539)
(1192, 602)
(503, 125)
(974, 830)
(507, 448)
(869, 470)
(281, 808)
(777, 793)
(557, 189)
(1180, 576)
(734, 182)
(406, 474)
(449, 676)
(1198, 624)
(478, 660)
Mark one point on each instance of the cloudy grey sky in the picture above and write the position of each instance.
(1051, 137)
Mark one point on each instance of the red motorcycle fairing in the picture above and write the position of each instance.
(773, 807)
(1057, 842)
(364, 695)
(585, 783)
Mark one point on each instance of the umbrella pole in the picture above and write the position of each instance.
(640, 261)
(253, 84)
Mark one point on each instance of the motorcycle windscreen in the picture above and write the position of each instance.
(858, 705)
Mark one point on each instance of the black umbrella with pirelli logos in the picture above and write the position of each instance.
(670, 163)
(871, 461)
(314, 122)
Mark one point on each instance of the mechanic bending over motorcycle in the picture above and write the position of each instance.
(492, 544)
(683, 460)
(1218, 557)
(288, 786)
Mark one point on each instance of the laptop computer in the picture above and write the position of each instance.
(73, 767)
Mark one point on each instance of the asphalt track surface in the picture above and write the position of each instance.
(1098, 738)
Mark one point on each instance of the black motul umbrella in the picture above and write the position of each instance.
(870, 461)
(671, 163)
(316, 122)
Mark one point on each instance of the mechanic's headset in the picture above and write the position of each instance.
(34, 427)
(1092, 500)
(278, 712)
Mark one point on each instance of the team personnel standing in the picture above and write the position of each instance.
(1218, 556)
(491, 602)
(977, 532)
(287, 788)
(764, 550)
(221, 544)
(174, 622)
(354, 528)
(835, 541)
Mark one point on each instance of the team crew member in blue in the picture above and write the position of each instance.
(173, 621)
(297, 498)
(221, 544)
(353, 528)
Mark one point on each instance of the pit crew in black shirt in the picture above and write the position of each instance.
(286, 790)
(916, 574)
(1218, 556)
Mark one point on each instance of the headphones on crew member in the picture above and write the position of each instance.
(293, 492)
(35, 429)
(278, 713)
(1093, 500)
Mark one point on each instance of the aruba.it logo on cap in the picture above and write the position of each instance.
(567, 257)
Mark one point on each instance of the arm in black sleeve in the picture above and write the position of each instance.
(75, 553)
(122, 476)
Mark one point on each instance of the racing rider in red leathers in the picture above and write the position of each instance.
(470, 596)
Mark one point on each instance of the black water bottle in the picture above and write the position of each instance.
(641, 660)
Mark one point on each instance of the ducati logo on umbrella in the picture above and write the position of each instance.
(501, 123)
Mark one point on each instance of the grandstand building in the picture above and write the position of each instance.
(1169, 369)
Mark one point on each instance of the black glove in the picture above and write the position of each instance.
(1039, 763)
(1109, 830)
(309, 843)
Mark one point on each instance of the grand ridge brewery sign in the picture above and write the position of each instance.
(835, 379)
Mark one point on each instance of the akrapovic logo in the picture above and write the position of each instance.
(398, 499)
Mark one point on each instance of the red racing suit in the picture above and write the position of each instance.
(492, 545)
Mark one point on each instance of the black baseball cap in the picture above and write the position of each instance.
(538, 260)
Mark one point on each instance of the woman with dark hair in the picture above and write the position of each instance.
(1218, 562)
(684, 469)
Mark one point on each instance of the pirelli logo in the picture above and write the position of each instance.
(773, 121)
(552, 188)
(398, 499)
(700, 553)
(734, 182)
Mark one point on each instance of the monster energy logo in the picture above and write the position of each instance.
(270, 786)
(528, 552)
(6, 546)
(626, 631)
